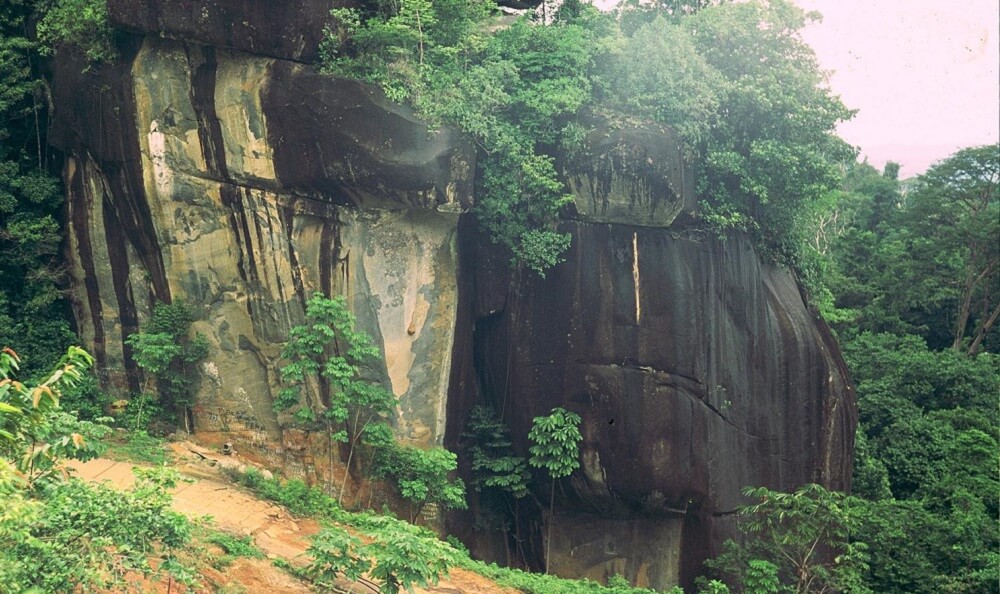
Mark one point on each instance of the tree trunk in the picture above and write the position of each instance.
(984, 330)
(548, 529)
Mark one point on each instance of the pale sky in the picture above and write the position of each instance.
(923, 74)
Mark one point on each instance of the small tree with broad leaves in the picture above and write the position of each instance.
(556, 448)
(803, 539)
(328, 347)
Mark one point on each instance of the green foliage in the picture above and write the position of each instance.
(164, 348)
(804, 539)
(86, 399)
(329, 348)
(137, 446)
(64, 535)
(77, 535)
(761, 577)
(925, 263)
(400, 556)
(712, 587)
(493, 461)
(951, 223)
(298, 497)
(34, 432)
(660, 74)
(897, 376)
(911, 283)
(32, 312)
(34, 317)
(555, 446)
(534, 583)
(234, 547)
(335, 553)
(509, 91)
(556, 443)
(81, 25)
(421, 476)
(405, 556)
(921, 550)
(734, 78)
(770, 151)
(331, 559)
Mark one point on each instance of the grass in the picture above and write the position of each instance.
(137, 446)
(233, 548)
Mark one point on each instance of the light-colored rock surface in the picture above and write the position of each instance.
(199, 211)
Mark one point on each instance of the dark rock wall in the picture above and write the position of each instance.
(285, 29)
(697, 370)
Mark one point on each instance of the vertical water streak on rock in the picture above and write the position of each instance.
(80, 208)
(127, 316)
(329, 245)
(635, 275)
(288, 222)
(202, 94)
(133, 212)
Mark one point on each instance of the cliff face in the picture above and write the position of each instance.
(697, 371)
(212, 164)
(243, 184)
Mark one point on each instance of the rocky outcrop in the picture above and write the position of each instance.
(697, 369)
(289, 30)
(214, 165)
(631, 176)
(243, 184)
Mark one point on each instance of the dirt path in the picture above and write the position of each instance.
(274, 530)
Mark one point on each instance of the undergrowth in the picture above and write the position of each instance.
(137, 446)
(304, 500)
(233, 546)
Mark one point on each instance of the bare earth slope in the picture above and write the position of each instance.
(273, 529)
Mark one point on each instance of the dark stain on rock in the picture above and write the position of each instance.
(127, 317)
(80, 211)
(369, 146)
(203, 102)
(95, 116)
(329, 248)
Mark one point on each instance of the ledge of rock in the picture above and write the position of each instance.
(286, 29)
(631, 176)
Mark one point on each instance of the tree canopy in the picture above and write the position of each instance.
(734, 78)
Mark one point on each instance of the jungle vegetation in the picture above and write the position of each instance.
(906, 272)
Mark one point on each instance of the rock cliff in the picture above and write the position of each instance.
(243, 184)
(212, 164)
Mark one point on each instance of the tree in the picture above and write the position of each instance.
(329, 351)
(421, 476)
(34, 433)
(81, 25)
(500, 476)
(33, 315)
(165, 349)
(924, 263)
(493, 461)
(400, 556)
(954, 214)
(556, 448)
(805, 539)
(660, 73)
(771, 149)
